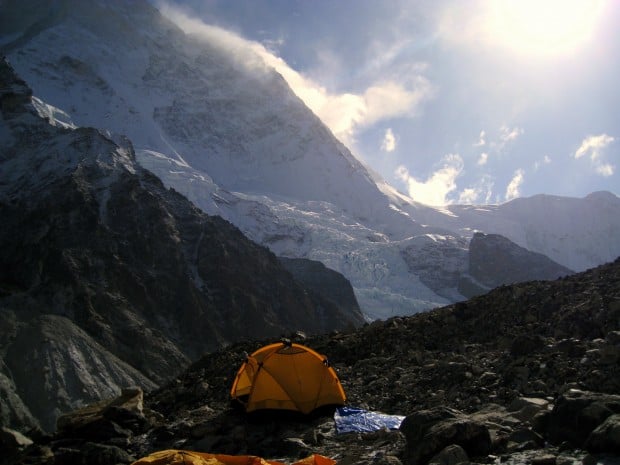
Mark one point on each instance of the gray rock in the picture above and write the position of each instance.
(13, 410)
(101, 454)
(613, 337)
(12, 441)
(525, 408)
(606, 436)
(544, 459)
(429, 431)
(524, 439)
(451, 455)
(576, 414)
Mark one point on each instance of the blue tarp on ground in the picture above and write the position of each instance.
(353, 419)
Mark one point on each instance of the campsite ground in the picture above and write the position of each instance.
(528, 373)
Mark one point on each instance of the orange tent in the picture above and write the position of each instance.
(186, 457)
(287, 376)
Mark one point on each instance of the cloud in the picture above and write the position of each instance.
(389, 141)
(468, 196)
(344, 113)
(347, 113)
(480, 193)
(507, 134)
(481, 139)
(498, 143)
(545, 161)
(390, 98)
(594, 147)
(512, 191)
(435, 190)
(605, 169)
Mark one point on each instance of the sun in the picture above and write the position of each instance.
(543, 27)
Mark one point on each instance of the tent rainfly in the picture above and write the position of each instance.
(287, 376)
(187, 457)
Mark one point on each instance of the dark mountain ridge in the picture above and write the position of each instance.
(107, 278)
(494, 260)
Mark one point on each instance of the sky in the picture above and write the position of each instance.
(450, 101)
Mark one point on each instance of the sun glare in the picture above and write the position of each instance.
(543, 27)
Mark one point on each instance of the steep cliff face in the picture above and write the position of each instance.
(494, 260)
(327, 283)
(108, 278)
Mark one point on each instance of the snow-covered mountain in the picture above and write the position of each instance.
(226, 131)
(578, 233)
(108, 279)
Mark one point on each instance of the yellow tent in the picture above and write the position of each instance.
(287, 376)
(186, 457)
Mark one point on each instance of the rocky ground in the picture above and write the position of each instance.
(528, 373)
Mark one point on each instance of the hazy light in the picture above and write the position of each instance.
(543, 27)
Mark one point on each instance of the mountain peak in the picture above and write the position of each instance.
(602, 196)
(113, 270)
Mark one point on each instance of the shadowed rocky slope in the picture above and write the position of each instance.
(107, 278)
(495, 260)
(528, 373)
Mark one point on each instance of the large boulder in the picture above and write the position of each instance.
(578, 414)
(428, 432)
(117, 417)
(606, 436)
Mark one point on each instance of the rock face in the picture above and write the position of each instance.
(586, 419)
(527, 373)
(495, 260)
(428, 432)
(107, 278)
(329, 284)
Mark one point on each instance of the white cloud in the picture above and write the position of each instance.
(480, 193)
(343, 113)
(507, 134)
(469, 196)
(545, 161)
(481, 139)
(391, 98)
(605, 169)
(594, 147)
(496, 146)
(512, 191)
(435, 190)
(389, 141)
(346, 113)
